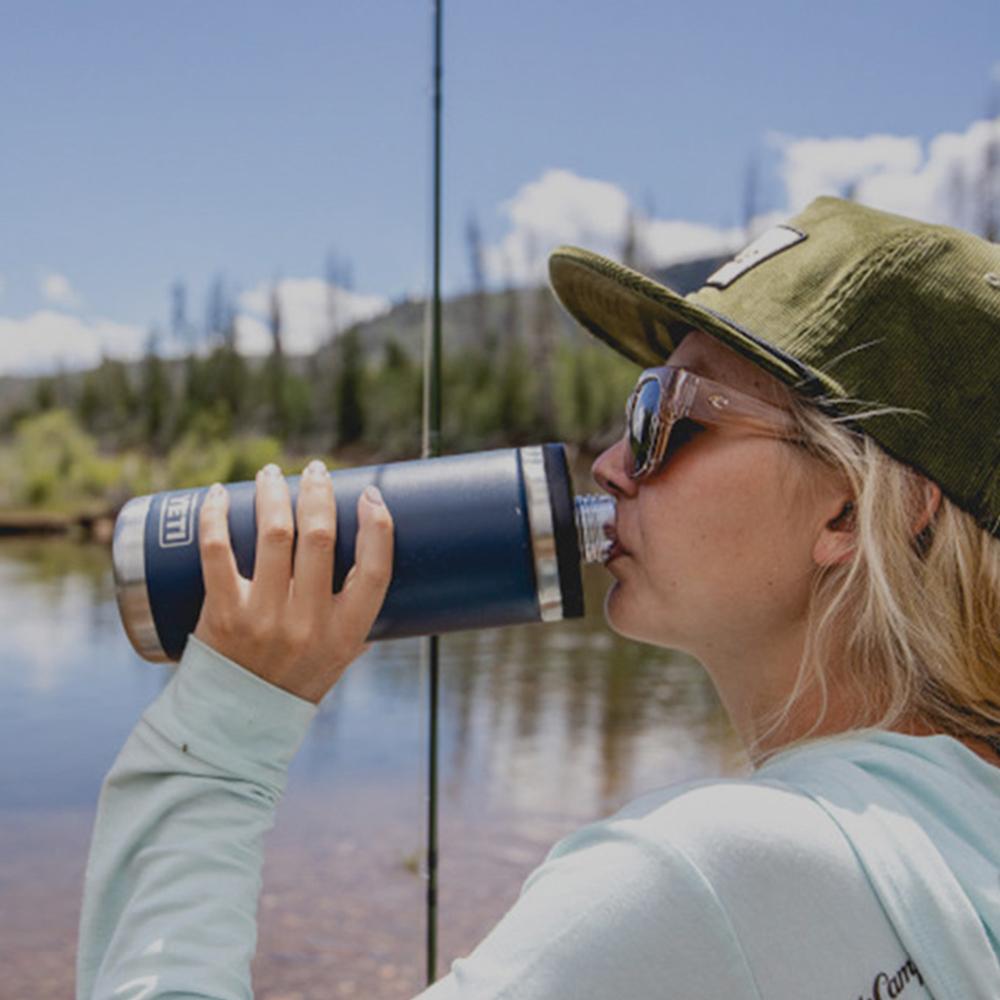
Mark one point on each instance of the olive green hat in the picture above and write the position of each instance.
(859, 310)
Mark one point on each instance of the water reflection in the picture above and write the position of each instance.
(572, 719)
(542, 728)
(564, 718)
(67, 694)
(53, 561)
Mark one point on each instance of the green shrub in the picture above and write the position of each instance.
(197, 460)
(53, 463)
(250, 454)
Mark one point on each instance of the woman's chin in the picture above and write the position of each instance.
(631, 622)
(616, 614)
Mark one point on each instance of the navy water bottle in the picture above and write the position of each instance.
(481, 540)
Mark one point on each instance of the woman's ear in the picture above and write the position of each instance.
(932, 500)
(835, 544)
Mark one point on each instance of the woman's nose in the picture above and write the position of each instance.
(609, 472)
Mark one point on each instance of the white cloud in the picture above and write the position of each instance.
(252, 334)
(667, 241)
(559, 207)
(939, 182)
(811, 167)
(45, 339)
(48, 339)
(57, 290)
(942, 182)
(562, 207)
(897, 174)
(307, 314)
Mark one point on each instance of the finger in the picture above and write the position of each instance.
(275, 533)
(316, 518)
(218, 564)
(361, 597)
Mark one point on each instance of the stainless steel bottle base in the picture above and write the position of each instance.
(129, 561)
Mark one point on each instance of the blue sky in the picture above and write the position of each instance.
(145, 143)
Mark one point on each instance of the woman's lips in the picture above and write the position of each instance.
(614, 552)
(615, 549)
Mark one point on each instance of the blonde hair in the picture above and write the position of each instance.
(909, 626)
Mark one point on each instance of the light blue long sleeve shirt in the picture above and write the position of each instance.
(858, 868)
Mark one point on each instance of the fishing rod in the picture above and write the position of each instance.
(431, 448)
(508, 496)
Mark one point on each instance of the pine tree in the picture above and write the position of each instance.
(155, 394)
(275, 370)
(350, 388)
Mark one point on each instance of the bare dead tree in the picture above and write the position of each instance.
(275, 321)
(276, 374)
(339, 279)
(181, 329)
(988, 188)
(346, 368)
(230, 315)
(474, 247)
(632, 241)
(751, 196)
(511, 313)
(474, 250)
(217, 311)
(957, 195)
(543, 338)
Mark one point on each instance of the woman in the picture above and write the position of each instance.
(808, 498)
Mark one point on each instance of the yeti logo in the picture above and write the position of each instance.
(177, 520)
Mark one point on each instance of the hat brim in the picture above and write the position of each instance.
(645, 321)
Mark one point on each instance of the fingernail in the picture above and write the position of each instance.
(216, 491)
(316, 468)
(373, 495)
(271, 471)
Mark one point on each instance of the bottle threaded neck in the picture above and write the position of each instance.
(595, 526)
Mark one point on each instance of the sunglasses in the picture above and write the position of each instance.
(663, 396)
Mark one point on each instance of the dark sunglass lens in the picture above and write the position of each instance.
(642, 430)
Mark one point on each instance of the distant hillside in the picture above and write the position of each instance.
(689, 275)
(523, 311)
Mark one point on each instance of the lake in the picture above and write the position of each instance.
(543, 728)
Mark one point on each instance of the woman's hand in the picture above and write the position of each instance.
(286, 625)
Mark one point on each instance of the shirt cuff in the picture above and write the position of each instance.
(227, 716)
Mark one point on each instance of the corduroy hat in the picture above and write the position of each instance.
(856, 308)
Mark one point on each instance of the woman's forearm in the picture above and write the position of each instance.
(173, 877)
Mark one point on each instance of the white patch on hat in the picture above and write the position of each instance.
(776, 239)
